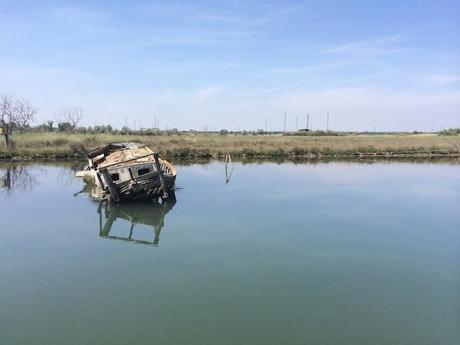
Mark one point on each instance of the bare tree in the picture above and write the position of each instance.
(25, 113)
(6, 116)
(15, 113)
(70, 118)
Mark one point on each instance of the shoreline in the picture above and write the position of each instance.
(383, 156)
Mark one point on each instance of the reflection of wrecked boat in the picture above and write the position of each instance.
(146, 213)
(128, 171)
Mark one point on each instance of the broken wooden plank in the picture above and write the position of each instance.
(110, 185)
(160, 174)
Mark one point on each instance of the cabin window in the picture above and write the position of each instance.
(115, 176)
(143, 171)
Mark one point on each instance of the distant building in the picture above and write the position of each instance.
(304, 130)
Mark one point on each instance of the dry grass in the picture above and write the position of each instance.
(61, 145)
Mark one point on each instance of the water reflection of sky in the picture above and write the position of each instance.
(297, 180)
(313, 245)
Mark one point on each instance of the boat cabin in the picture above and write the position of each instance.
(129, 171)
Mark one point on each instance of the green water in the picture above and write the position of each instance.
(336, 253)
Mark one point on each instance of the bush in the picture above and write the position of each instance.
(450, 131)
(64, 127)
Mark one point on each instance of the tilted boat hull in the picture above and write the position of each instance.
(128, 171)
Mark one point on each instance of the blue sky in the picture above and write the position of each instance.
(389, 65)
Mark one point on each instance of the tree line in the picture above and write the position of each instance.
(17, 114)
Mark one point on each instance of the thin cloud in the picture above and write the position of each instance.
(77, 12)
(204, 94)
(230, 15)
(260, 91)
(441, 79)
(380, 46)
(372, 106)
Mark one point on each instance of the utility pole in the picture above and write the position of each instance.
(296, 124)
(266, 123)
(327, 125)
(308, 121)
(284, 131)
(126, 121)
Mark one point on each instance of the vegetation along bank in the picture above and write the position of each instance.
(62, 145)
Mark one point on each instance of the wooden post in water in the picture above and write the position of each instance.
(110, 185)
(228, 172)
(160, 174)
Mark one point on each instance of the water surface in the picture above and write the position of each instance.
(336, 253)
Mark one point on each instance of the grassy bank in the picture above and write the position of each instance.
(61, 145)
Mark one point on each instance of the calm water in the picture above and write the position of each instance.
(336, 253)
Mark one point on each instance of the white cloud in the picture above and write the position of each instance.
(238, 14)
(227, 106)
(204, 94)
(441, 79)
(364, 108)
(77, 13)
(379, 46)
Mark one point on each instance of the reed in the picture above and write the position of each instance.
(36, 145)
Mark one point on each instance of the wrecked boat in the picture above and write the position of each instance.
(128, 171)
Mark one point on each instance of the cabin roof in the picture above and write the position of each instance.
(129, 154)
(108, 148)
